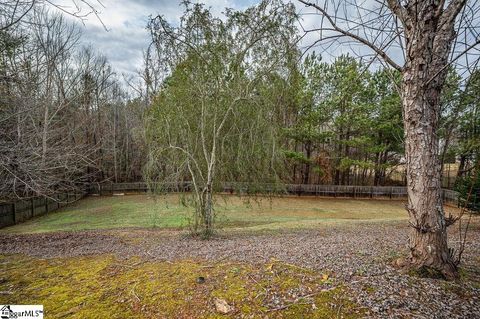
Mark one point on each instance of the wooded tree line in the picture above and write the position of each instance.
(341, 123)
(346, 127)
(68, 120)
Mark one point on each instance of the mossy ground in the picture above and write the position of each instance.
(107, 287)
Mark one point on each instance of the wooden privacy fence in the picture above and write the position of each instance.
(449, 196)
(22, 210)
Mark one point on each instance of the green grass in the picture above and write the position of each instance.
(232, 213)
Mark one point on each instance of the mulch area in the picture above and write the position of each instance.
(358, 256)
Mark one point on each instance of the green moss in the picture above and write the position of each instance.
(107, 287)
(231, 285)
(426, 272)
(328, 304)
(64, 287)
(467, 275)
(369, 289)
(463, 273)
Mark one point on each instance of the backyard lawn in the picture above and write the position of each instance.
(232, 212)
(286, 257)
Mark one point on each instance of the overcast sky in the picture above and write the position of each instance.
(126, 21)
(127, 36)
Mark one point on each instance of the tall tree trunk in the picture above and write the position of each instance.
(294, 175)
(115, 166)
(338, 156)
(336, 180)
(461, 165)
(428, 40)
(306, 171)
(383, 164)
(207, 212)
(46, 121)
(376, 178)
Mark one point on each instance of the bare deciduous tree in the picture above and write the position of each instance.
(13, 12)
(65, 120)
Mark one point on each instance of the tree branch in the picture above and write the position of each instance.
(454, 9)
(355, 37)
(15, 21)
(470, 47)
(398, 10)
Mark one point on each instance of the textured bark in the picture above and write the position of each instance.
(306, 171)
(207, 212)
(429, 34)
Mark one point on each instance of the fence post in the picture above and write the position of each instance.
(391, 192)
(46, 204)
(371, 192)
